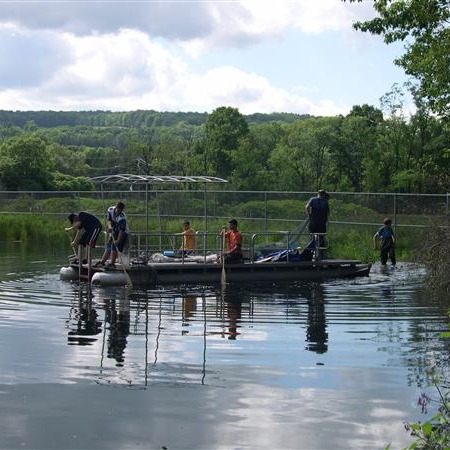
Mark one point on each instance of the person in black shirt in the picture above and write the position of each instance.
(88, 228)
(318, 211)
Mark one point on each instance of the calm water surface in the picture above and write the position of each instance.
(336, 365)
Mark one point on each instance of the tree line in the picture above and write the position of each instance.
(129, 119)
(366, 150)
(369, 149)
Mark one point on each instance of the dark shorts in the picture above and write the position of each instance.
(89, 238)
(233, 258)
(317, 227)
(388, 253)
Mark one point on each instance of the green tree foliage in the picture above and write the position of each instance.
(429, 157)
(132, 119)
(250, 161)
(302, 160)
(102, 160)
(370, 149)
(25, 163)
(139, 157)
(69, 160)
(372, 115)
(425, 27)
(63, 182)
(356, 140)
(175, 152)
(224, 129)
(357, 157)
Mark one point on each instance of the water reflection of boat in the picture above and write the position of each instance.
(196, 316)
(118, 318)
(292, 299)
(316, 334)
(86, 324)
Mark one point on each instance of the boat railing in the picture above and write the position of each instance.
(172, 245)
(255, 245)
(270, 245)
(289, 242)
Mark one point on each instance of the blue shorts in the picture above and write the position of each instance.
(123, 245)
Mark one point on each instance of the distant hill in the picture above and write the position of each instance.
(131, 119)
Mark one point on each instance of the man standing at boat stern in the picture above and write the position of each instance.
(318, 210)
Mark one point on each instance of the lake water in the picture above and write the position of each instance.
(335, 365)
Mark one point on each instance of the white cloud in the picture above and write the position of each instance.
(130, 71)
(230, 22)
(173, 20)
(107, 71)
(144, 86)
(247, 22)
(28, 58)
(125, 55)
(250, 93)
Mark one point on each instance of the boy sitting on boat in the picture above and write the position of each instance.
(233, 238)
(188, 246)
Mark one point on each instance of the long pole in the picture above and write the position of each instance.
(127, 276)
(223, 279)
(70, 243)
(147, 242)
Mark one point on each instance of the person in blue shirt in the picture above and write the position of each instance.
(118, 231)
(387, 249)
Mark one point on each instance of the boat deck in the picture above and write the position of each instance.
(187, 272)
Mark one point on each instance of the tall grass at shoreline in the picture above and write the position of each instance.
(32, 229)
(38, 220)
(349, 241)
(356, 242)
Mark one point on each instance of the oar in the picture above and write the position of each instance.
(75, 253)
(127, 276)
(223, 279)
(70, 241)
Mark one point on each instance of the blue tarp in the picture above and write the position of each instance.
(305, 254)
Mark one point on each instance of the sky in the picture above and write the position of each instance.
(299, 56)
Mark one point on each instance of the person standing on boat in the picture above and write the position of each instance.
(318, 211)
(88, 228)
(233, 237)
(189, 237)
(117, 228)
(387, 250)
